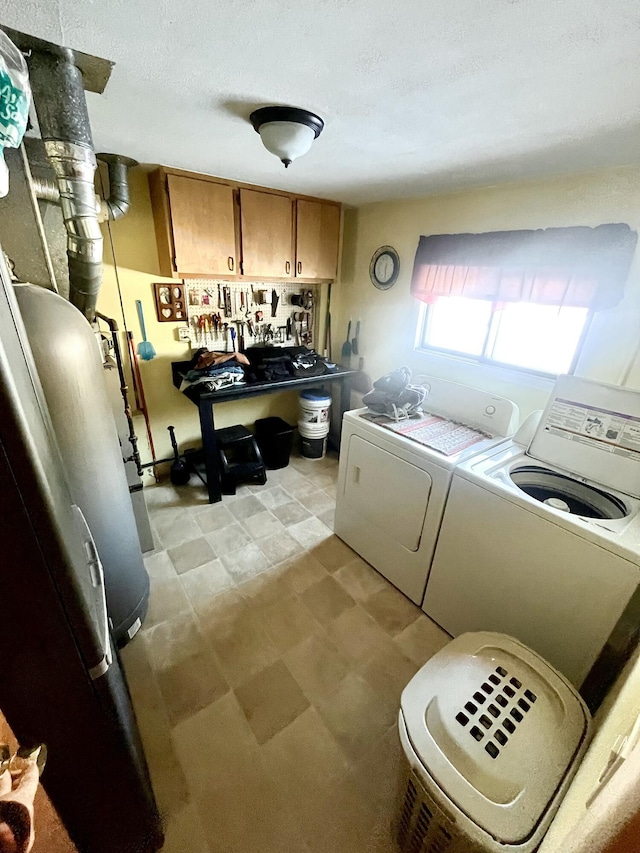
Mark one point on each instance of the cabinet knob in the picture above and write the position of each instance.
(287, 267)
(299, 267)
(231, 262)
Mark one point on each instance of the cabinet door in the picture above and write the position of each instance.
(267, 234)
(317, 240)
(202, 220)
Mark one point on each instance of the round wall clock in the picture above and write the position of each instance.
(384, 268)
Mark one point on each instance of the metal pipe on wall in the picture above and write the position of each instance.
(118, 202)
(113, 207)
(60, 103)
(45, 189)
(124, 391)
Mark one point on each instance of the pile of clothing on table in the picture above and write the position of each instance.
(270, 364)
(211, 371)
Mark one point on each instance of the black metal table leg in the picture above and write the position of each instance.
(210, 447)
(343, 406)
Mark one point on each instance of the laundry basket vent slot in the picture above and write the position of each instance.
(440, 843)
(422, 827)
(407, 812)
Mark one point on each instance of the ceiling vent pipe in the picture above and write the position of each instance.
(118, 166)
(58, 94)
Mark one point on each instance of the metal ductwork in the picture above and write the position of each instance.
(58, 94)
(118, 202)
(113, 207)
(45, 189)
(59, 77)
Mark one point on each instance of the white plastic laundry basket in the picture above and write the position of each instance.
(492, 736)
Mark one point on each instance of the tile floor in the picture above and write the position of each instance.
(267, 678)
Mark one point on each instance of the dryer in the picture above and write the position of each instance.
(392, 489)
(542, 542)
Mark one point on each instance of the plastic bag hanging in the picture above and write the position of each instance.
(15, 98)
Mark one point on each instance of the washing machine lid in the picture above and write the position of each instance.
(497, 728)
(592, 430)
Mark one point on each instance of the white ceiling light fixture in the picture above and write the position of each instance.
(286, 132)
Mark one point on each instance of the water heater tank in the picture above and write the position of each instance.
(70, 370)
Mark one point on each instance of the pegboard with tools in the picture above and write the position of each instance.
(229, 316)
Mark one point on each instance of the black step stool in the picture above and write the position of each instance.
(240, 459)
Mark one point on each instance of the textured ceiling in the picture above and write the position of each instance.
(418, 96)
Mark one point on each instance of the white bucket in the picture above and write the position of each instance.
(313, 439)
(314, 407)
(309, 430)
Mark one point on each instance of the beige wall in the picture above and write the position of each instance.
(389, 318)
(134, 245)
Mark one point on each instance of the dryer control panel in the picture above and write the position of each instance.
(494, 415)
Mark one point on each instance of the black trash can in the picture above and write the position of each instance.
(274, 437)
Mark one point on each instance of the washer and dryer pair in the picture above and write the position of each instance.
(538, 539)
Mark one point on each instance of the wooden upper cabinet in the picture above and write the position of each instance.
(203, 226)
(318, 235)
(266, 226)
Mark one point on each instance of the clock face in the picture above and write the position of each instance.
(384, 267)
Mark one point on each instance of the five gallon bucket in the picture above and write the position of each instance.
(313, 425)
(314, 407)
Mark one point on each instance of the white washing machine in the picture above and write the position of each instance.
(543, 542)
(392, 489)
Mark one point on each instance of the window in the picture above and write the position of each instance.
(522, 335)
(522, 299)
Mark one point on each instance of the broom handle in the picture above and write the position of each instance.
(141, 318)
(137, 381)
(174, 443)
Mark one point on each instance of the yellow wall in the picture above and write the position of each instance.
(389, 317)
(134, 246)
